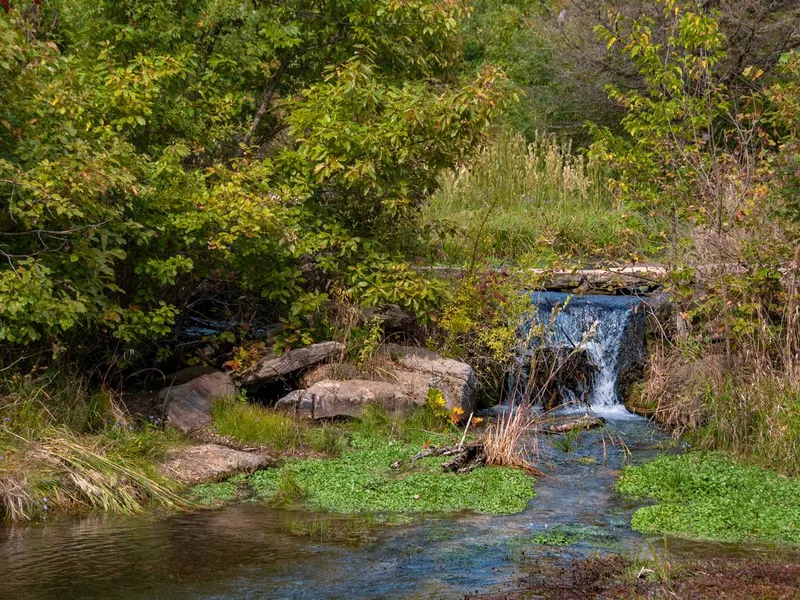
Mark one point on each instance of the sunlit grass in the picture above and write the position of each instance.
(535, 201)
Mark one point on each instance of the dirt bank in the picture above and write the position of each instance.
(615, 577)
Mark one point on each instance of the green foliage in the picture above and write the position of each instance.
(288, 491)
(326, 439)
(712, 497)
(253, 424)
(361, 481)
(567, 535)
(213, 494)
(144, 147)
(569, 441)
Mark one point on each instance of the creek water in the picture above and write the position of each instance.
(249, 550)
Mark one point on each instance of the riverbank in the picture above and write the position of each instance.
(617, 577)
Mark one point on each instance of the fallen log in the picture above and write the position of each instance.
(583, 423)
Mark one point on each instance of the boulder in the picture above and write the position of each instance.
(336, 372)
(413, 382)
(272, 368)
(455, 379)
(327, 399)
(661, 316)
(189, 405)
(211, 462)
(390, 316)
(182, 376)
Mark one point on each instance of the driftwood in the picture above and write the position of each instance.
(584, 422)
(465, 458)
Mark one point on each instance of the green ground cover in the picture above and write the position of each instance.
(710, 496)
(361, 480)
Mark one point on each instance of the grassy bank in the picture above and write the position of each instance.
(64, 449)
(710, 496)
(536, 202)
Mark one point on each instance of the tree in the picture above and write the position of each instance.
(274, 145)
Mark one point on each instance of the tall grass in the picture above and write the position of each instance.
(738, 391)
(66, 449)
(536, 200)
(253, 424)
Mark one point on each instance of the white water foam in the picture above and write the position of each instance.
(599, 325)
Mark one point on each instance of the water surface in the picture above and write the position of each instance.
(248, 551)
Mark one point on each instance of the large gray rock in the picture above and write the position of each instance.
(455, 379)
(211, 462)
(272, 368)
(182, 376)
(661, 315)
(390, 316)
(413, 370)
(189, 405)
(327, 399)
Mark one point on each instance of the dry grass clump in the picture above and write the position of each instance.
(66, 449)
(513, 440)
(67, 473)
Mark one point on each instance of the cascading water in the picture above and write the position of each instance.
(596, 341)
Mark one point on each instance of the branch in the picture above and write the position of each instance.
(266, 100)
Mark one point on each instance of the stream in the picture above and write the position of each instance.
(251, 551)
(247, 551)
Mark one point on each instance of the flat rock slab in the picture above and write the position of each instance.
(272, 368)
(327, 399)
(211, 462)
(188, 406)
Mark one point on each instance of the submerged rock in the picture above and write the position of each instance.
(571, 423)
(211, 462)
(272, 368)
(189, 405)
(327, 399)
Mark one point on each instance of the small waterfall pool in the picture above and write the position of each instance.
(599, 339)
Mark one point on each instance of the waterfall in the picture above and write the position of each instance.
(597, 343)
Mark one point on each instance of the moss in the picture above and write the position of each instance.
(710, 496)
(361, 480)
